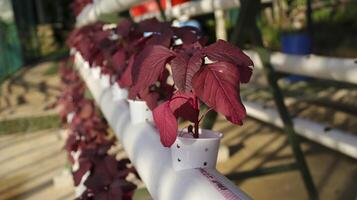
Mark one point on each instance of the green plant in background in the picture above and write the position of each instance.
(331, 19)
(10, 51)
(283, 16)
(286, 15)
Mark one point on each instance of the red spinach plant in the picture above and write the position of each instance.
(88, 135)
(209, 75)
(153, 33)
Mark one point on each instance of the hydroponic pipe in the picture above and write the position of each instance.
(336, 139)
(194, 8)
(331, 68)
(100, 7)
(153, 161)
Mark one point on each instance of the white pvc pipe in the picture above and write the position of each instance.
(153, 161)
(194, 8)
(221, 31)
(331, 68)
(336, 139)
(104, 7)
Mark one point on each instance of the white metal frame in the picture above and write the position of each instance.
(336, 139)
(338, 69)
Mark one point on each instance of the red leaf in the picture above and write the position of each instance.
(166, 123)
(184, 66)
(217, 85)
(148, 66)
(150, 98)
(123, 27)
(187, 34)
(118, 60)
(84, 166)
(126, 79)
(86, 110)
(163, 38)
(182, 104)
(223, 51)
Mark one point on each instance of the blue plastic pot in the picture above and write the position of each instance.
(296, 44)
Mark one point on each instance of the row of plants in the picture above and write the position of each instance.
(171, 69)
(97, 174)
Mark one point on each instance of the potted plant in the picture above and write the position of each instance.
(208, 75)
(135, 45)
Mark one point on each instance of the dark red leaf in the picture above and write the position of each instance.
(166, 122)
(86, 110)
(126, 79)
(150, 98)
(148, 66)
(184, 66)
(119, 60)
(152, 25)
(163, 38)
(217, 85)
(123, 27)
(84, 167)
(182, 104)
(187, 34)
(223, 51)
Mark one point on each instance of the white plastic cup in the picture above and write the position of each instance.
(70, 117)
(86, 65)
(139, 112)
(72, 51)
(78, 59)
(105, 80)
(96, 72)
(189, 153)
(118, 93)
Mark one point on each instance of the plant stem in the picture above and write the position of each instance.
(197, 120)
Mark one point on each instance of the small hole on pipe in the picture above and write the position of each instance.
(206, 149)
(178, 146)
(205, 163)
(178, 159)
(327, 129)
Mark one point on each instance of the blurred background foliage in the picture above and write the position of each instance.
(334, 25)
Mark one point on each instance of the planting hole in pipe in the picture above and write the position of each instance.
(205, 164)
(326, 129)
